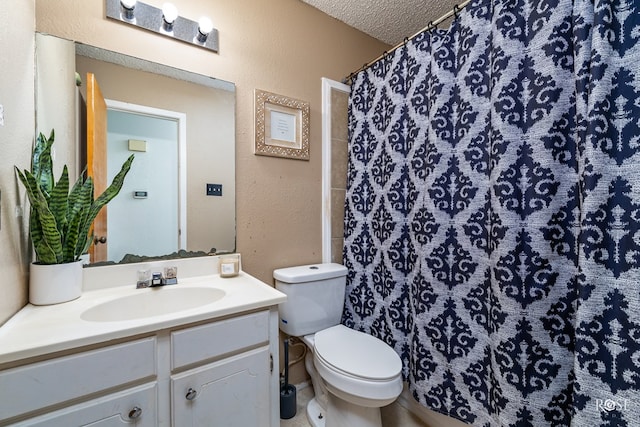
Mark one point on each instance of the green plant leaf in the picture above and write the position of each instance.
(111, 191)
(82, 207)
(72, 235)
(44, 253)
(58, 202)
(51, 239)
(42, 163)
(78, 205)
(115, 187)
(61, 220)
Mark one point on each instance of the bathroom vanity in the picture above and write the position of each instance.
(202, 352)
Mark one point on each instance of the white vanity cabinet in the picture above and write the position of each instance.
(235, 388)
(220, 372)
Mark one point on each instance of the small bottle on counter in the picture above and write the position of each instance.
(229, 266)
(144, 279)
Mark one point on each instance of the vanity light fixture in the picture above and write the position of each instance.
(165, 21)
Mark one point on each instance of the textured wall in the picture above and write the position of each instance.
(282, 46)
(17, 24)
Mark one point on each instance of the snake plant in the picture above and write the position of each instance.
(60, 220)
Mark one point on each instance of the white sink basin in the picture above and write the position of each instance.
(152, 302)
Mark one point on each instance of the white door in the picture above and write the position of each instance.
(149, 215)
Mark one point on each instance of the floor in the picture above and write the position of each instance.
(393, 415)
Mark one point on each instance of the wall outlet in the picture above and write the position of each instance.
(214, 189)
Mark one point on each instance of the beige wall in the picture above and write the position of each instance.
(282, 46)
(17, 23)
(56, 104)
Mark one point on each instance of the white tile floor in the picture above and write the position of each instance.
(393, 415)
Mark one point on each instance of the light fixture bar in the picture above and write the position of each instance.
(151, 18)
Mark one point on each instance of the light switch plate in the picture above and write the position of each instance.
(214, 189)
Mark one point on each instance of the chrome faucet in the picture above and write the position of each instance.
(146, 279)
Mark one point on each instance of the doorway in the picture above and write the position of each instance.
(335, 99)
(149, 215)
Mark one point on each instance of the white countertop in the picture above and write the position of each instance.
(39, 330)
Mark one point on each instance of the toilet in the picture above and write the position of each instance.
(353, 374)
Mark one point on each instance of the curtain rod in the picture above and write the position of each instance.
(456, 9)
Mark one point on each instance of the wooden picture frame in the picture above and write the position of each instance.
(282, 126)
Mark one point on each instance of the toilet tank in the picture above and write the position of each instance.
(315, 297)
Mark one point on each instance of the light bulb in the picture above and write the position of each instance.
(205, 26)
(128, 4)
(169, 13)
(127, 12)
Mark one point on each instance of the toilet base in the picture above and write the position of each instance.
(316, 414)
(341, 413)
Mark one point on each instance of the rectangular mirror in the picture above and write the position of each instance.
(181, 128)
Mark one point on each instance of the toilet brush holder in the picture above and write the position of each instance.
(287, 391)
(288, 402)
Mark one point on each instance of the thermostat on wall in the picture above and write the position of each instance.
(137, 145)
(140, 194)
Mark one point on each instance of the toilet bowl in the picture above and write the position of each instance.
(358, 367)
(353, 374)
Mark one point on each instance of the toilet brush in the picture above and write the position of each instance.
(287, 391)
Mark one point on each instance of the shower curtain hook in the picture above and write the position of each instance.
(456, 11)
(385, 56)
(430, 26)
(349, 79)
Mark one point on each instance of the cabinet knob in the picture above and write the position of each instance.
(135, 413)
(101, 239)
(191, 394)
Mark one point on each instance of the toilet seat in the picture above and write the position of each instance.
(357, 354)
(357, 367)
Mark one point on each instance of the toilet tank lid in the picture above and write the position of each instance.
(309, 273)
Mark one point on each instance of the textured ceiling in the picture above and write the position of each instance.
(387, 20)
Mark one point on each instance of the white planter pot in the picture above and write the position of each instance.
(55, 283)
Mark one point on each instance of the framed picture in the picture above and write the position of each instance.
(282, 126)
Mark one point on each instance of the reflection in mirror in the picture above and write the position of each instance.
(137, 90)
(156, 138)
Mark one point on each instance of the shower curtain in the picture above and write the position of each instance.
(492, 216)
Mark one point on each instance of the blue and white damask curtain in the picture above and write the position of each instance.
(492, 218)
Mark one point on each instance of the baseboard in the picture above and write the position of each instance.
(427, 416)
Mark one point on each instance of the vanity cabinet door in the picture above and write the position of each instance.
(232, 392)
(133, 407)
